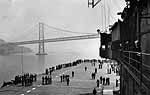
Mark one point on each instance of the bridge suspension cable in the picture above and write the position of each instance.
(26, 32)
(63, 30)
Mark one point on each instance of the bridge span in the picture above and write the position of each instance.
(82, 37)
(42, 39)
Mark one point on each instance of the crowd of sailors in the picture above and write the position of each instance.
(110, 67)
(63, 78)
(102, 80)
(26, 79)
(46, 80)
(61, 66)
(66, 78)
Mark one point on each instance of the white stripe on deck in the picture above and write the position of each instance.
(33, 88)
(107, 90)
(28, 91)
(21, 94)
(99, 91)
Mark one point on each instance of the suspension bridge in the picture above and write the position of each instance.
(41, 39)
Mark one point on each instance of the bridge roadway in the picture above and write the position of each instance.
(82, 37)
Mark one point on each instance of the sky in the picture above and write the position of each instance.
(19, 18)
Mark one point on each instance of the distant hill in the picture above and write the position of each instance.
(2, 41)
(12, 49)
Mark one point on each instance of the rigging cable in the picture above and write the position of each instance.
(104, 16)
(108, 13)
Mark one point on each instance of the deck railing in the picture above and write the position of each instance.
(134, 61)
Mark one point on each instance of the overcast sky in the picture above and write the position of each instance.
(19, 18)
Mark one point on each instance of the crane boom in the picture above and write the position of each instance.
(92, 3)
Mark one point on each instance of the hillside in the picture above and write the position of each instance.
(12, 49)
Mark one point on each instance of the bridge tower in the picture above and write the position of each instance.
(41, 40)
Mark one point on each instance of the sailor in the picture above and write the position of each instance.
(94, 64)
(35, 77)
(68, 81)
(94, 75)
(103, 81)
(95, 70)
(46, 71)
(101, 78)
(43, 80)
(116, 82)
(108, 81)
(85, 68)
(61, 78)
(109, 71)
(94, 91)
(50, 71)
(72, 73)
(97, 83)
(22, 81)
(50, 79)
(99, 66)
(46, 80)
